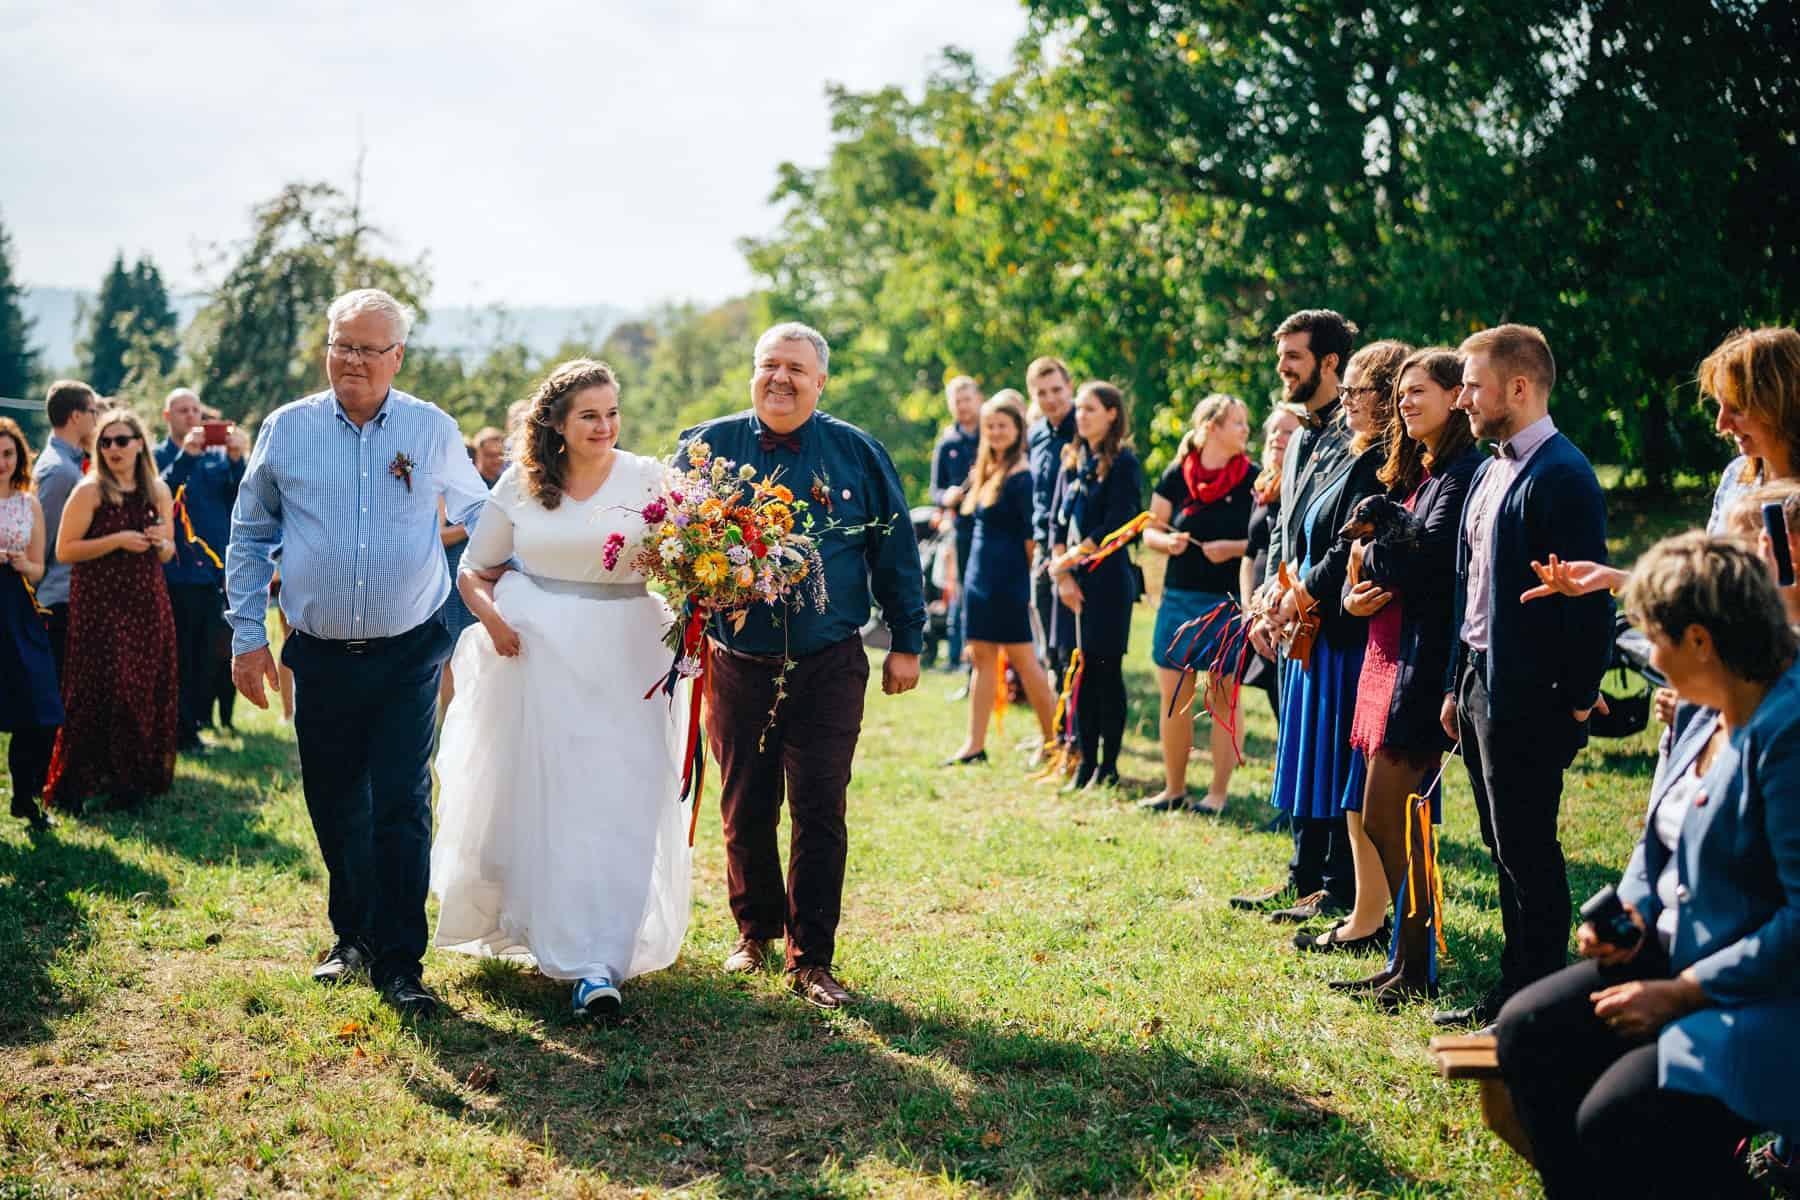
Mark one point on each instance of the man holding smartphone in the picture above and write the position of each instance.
(202, 462)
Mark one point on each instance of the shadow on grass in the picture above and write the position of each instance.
(707, 1076)
(215, 813)
(45, 916)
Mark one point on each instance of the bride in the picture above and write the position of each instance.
(560, 836)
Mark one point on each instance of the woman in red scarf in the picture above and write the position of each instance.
(1200, 518)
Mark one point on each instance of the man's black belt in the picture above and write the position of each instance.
(359, 645)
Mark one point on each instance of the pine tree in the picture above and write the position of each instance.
(17, 359)
(107, 337)
(154, 319)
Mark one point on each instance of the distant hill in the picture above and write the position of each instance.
(470, 332)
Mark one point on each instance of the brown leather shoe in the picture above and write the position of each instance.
(816, 986)
(747, 957)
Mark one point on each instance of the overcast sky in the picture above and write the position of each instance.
(543, 153)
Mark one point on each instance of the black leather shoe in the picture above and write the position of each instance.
(1334, 943)
(1163, 803)
(409, 998)
(1368, 983)
(1479, 1015)
(340, 964)
(963, 760)
(1084, 775)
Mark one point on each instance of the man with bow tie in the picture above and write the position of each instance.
(813, 658)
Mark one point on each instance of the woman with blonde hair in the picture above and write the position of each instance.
(997, 578)
(31, 703)
(1200, 518)
(121, 684)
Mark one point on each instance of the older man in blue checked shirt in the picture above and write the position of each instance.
(346, 483)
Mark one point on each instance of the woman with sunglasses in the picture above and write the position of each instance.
(121, 681)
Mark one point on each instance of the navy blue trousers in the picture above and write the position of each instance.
(364, 723)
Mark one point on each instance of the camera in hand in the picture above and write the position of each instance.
(216, 433)
(1612, 924)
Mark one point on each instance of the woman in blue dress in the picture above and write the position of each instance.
(31, 702)
(997, 578)
(1100, 488)
(1317, 769)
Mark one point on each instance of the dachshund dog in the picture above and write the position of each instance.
(1381, 520)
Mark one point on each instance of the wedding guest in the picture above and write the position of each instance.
(1283, 421)
(31, 703)
(1744, 522)
(205, 479)
(487, 450)
(1317, 774)
(346, 483)
(1099, 489)
(1053, 428)
(71, 407)
(1525, 677)
(997, 578)
(1312, 347)
(951, 460)
(807, 747)
(1639, 1071)
(120, 687)
(1200, 517)
(1405, 592)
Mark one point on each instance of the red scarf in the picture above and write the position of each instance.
(1208, 486)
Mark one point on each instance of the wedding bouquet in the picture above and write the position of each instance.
(724, 541)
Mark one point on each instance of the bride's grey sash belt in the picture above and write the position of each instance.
(593, 591)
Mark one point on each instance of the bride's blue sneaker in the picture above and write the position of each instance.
(596, 997)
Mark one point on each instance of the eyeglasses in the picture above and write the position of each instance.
(1344, 393)
(121, 441)
(349, 353)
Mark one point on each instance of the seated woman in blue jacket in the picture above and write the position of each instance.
(1638, 1071)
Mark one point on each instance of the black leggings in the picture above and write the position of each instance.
(1588, 1098)
(1100, 711)
(28, 758)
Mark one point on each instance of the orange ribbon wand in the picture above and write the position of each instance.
(1115, 541)
(187, 527)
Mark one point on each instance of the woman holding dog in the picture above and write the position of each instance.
(1403, 584)
(1316, 770)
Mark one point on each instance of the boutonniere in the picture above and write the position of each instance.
(821, 491)
(402, 468)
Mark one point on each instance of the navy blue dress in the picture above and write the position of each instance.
(1089, 507)
(997, 580)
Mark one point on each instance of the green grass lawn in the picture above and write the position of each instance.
(1056, 999)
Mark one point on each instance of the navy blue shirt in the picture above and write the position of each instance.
(1044, 444)
(839, 461)
(951, 459)
(211, 480)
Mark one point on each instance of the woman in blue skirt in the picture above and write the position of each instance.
(1200, 518)
(1316, 768)
(996, 580)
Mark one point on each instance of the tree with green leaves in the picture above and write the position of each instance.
(260, 341)
(131, 310)
(18, 361)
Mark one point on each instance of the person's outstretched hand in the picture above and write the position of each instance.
(1572, 578)
(250, 670)
(899, 673)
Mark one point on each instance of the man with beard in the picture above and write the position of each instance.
(1312, 348)
(1524, 677)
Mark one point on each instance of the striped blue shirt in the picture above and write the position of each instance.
(360, 554)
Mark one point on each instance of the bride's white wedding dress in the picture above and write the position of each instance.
(560, 837)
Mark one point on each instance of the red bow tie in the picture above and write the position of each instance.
(786, 441)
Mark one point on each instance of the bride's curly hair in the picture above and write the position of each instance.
(543, 457)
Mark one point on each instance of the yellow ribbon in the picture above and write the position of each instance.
(1117, 539)
(1000, 693)
(187, 527)
(31, 594)
(1431, 879)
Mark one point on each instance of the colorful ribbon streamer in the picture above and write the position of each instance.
(694, 647)
(1117, 540)
(187, 527)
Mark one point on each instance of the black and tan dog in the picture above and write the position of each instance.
(1382, 520)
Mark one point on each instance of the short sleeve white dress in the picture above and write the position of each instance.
(560, 836)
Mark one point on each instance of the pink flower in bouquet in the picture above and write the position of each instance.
(615, 544)
(655, 511)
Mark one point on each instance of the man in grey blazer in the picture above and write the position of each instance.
(72, 407)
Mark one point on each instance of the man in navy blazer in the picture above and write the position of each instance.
(1523, 677)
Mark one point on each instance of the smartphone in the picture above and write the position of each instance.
(1775, 521)
(216, 432)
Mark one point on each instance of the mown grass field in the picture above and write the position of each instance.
(1056, 999)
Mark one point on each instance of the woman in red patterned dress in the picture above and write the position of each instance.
(120, 683)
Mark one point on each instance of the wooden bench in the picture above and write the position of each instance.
(1474, 1056)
